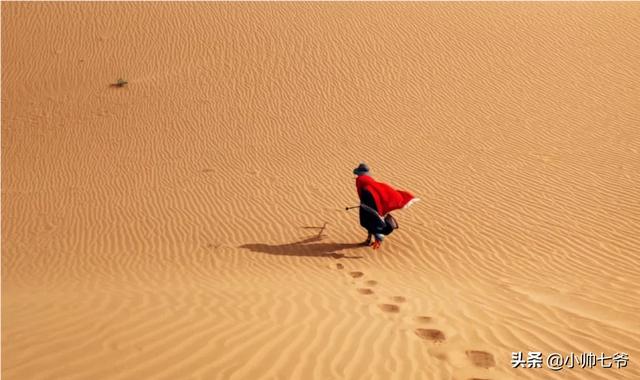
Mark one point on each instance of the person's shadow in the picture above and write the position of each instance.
(309, 247)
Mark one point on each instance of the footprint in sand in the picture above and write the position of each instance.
(389, 308)
(398, 299)
(365, 291)
(481, 358)
(356, 274)
(432, 335)
(423, 319)
(339, 266)
(371, 282)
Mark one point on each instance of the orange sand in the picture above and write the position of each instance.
(160, 230)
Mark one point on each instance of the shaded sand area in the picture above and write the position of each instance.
(169, 229)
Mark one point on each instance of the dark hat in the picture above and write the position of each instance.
(361, 169)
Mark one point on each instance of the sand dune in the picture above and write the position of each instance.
(171, 228)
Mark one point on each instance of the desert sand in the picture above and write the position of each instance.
(169, 228)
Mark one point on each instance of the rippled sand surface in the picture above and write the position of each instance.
(171, 228)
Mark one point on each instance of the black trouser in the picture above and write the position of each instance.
(369, 217)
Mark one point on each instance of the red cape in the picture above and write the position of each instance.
(386, 197)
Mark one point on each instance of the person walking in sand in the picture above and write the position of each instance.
(377, 199)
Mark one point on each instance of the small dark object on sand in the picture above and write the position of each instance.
(119, 83)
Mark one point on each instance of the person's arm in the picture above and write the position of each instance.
(366, 198)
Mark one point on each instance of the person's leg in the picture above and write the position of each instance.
(367, 217)
(370, 219)
(378, 233)
(368, 241)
